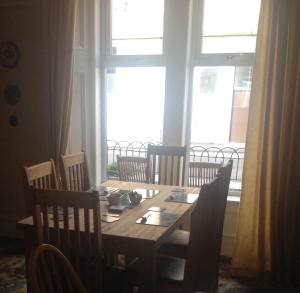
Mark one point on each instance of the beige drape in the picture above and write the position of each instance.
(268, 232)
(58, 30)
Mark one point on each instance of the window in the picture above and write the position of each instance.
(222, 70)
(134, 70)
(178, 75)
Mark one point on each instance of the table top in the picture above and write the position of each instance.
(127, 226)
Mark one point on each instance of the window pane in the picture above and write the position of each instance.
(137, 27)
(135, 104)
(242, 44)
(240, 105)
(212, 100)
(220, 104)
(230, 26)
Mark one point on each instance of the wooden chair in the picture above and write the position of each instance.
(202, 173)
(199, 271)
(167, 164)
(177, 243)
(50, 271)
(74, 172)
(132, 169)
(42, 176)
(70, 220)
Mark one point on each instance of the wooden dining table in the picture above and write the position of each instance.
(127, 237)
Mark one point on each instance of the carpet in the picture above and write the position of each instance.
(12, 274)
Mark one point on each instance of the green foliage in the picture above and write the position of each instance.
(112, 170)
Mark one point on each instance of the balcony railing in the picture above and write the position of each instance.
(197, 153)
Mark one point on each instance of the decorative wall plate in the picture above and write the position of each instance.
(9, 54)
(12, 94)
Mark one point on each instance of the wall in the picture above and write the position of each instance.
(27, 143)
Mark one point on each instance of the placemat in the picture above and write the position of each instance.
(182, 197)
(147, 193)
(158, 219)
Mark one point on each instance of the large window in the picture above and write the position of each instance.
(177, 72)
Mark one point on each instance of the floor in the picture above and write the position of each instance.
(12, 274)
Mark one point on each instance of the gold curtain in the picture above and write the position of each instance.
(268, 239)
(58, 30)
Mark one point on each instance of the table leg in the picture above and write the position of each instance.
(148, 269)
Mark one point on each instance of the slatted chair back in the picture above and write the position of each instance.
(75, 172)
(207, 219)
(70, 220)
(50, 271)
(41, 176)
(166, 164)
(202, 173)
(132, 169)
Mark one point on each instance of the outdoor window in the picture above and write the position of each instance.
(176, 75)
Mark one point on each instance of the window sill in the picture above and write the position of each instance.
(234, 195)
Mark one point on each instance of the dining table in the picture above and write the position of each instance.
(127, 237)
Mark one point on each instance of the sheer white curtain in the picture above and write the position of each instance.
(58, 32)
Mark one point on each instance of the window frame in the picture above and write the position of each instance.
(188, 29)
(199, 59)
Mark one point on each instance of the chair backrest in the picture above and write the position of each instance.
(202, 265)
(166, 164)
(42, 176)
(75, 172)
(50, 271)
(224, 174)
(70, 220)
(132, 169)
(202, 173)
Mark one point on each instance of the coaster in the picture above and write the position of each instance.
(158, 219)
(183, 197)
(146, 193)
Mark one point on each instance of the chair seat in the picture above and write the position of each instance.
(176, 244)
(170, 268)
